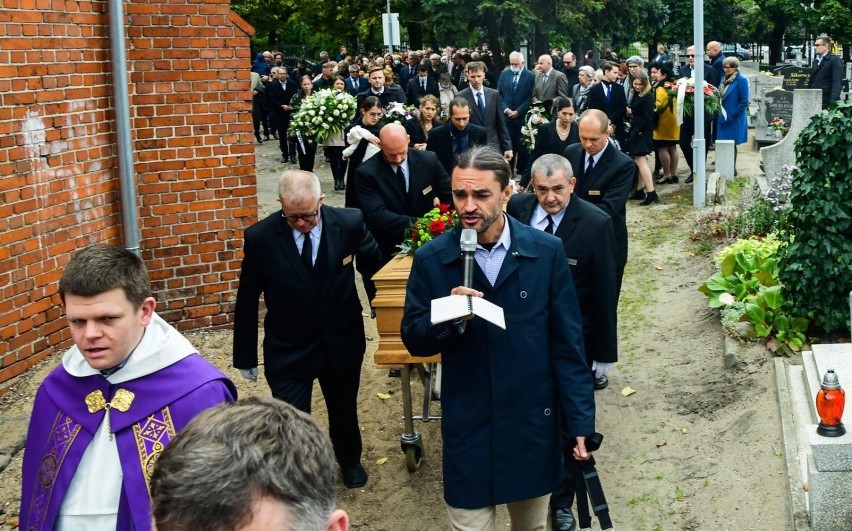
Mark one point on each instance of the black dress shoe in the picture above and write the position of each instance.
(652, 197)
(293, 159)
(688, 179)
(354, 477)
(563, 520)
(601, 383)
(638, 195)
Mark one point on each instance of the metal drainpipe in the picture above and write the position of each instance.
(121, 105)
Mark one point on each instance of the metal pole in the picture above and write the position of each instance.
(390, 29)
(121, 108)
(698, 150)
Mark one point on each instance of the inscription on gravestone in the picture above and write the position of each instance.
(779, 102)
(796, 78)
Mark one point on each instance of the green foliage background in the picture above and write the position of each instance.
(816, 263)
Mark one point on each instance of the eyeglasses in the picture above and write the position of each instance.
(304, 217)
(690, 55)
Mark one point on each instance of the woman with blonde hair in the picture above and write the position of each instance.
(418, 129)
(640, 140)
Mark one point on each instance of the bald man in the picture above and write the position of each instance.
(715, 56)
(398, 187)
(549, 82)
(606, 181)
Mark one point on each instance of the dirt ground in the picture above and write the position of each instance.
(696, 447)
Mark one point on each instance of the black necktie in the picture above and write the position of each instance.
(307, 252)
(549, 228)
(480, 103)
(401, 178)
(591, 165)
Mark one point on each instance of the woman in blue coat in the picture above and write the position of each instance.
(732, 124)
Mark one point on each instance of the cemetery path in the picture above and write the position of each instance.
(695, 447)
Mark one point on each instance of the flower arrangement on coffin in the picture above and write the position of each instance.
(398, 113)
(536, 115)
(323, 114)
(683, 90)
(434, 223)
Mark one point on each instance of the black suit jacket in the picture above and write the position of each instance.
(492, 121)
(607, 187)
(828, 77)
(589, 240)
(385, 98)
(387, 211)
(615, 109)
(306, 327)
(442, 139)
(414, 90)
(278, 95)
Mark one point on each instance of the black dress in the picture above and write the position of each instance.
(640, 141)
(547, 141)
(355, 160)
(415, 131)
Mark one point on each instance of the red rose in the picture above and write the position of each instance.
(443, 208)
(437, 227)
(414, 234)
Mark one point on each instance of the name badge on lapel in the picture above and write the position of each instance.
(347, 260)
(594, 192)
(427, 190)
(572, 261)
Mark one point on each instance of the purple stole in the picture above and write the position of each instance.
(62, 427)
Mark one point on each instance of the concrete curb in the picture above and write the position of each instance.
(6, 454)
(798, 508)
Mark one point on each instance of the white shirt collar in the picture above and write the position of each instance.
(539, 218)
(505, 237)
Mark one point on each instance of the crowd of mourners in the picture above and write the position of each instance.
(635, 94)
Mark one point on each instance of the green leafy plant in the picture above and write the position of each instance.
(746, 286)
(816, 262)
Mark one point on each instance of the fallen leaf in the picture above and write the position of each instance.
(684, 430)
(658, 268)
(778, 453)
(660, 444)
(383, 396)
(627, 391)
(381, 461)
(805, 487)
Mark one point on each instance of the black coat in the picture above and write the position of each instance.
(640, 139)
(589, 239)
(355, 160)
(387, 96)
(306, 327)
(387, 211)
(442, 140)
(547, 141)
(414, 90)
(607, 187)
(828, 77)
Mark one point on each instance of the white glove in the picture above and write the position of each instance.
(601, 368)
(249, 374)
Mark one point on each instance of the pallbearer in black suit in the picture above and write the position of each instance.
(604, 177)
(301, 260)
(609, 97)
(587, 234)
(398, 186)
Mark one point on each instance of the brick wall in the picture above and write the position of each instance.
(188, 68)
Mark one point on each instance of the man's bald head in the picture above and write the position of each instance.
(394, 140)
(713, 48)
(545, 63)
(596, 116)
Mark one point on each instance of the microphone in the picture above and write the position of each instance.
(468, 249)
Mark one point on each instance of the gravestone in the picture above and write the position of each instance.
(778, 102)
(806, 103)
(761, 83)
(795, 77)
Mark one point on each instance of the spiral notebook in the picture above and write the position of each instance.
(456, 307)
